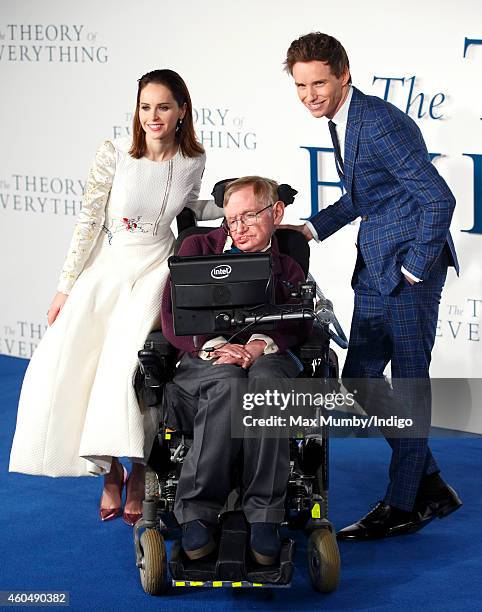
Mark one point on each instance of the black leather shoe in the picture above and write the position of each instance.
(438, 504)
(382, 522)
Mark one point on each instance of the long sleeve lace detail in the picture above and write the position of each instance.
(91, 217)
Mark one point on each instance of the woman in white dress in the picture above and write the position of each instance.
(78, 410)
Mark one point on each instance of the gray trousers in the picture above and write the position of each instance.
(200, 391)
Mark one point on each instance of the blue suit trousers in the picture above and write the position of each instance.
(399, 328)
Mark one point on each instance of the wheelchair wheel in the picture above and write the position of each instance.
(153, 571)
(323, 560)
(152, 484)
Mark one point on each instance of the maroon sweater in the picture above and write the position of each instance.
(284, 268)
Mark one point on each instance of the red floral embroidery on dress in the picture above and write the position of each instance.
(126, 224)
(130, 224)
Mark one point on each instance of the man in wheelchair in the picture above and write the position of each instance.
(201, 388)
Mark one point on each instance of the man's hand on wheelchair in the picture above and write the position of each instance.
(239, 354)
(304, 229)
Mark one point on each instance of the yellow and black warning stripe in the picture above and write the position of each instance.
(225, 583)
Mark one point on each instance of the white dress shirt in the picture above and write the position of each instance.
(341, 119)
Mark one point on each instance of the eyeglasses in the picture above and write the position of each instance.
(249, 218)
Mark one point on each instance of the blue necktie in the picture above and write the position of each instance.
(336, 146)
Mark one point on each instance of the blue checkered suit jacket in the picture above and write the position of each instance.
(390, 182)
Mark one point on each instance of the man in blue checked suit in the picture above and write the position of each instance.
(404, 249)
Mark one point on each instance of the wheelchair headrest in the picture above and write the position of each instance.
(286, 193)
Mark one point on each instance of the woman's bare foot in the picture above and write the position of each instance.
(111, 499)
(135, 490)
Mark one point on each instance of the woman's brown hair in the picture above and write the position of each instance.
(185, 134)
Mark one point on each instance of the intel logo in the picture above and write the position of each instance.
(220, 272)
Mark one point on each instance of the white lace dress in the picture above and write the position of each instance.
(78, 407)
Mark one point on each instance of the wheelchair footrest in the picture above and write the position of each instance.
(228, 583)
(231, 565)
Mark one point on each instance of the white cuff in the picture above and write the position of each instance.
(410, 275)
(271, 346)
(207, 355)
(313, 231)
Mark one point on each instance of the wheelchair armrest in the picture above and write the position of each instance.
(157, 342)
(317, 356)
(316, 345)
(157, 360)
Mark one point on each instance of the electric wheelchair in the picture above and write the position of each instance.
(307, 487)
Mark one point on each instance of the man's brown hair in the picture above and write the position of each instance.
(318, 47)
(265, 190)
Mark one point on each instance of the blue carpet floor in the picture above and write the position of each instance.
(52, 539)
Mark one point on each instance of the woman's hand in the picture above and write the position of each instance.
(56, 306)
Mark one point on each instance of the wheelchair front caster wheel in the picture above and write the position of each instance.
(323, 560)
(153, 571)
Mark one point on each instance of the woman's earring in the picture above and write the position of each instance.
(179, 125)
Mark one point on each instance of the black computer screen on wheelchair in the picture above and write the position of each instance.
(209, 291)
